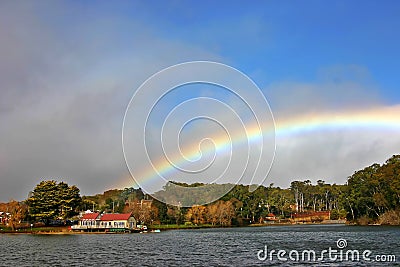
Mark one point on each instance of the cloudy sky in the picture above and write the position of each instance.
(330, 72)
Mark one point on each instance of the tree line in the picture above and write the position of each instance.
(370, 195)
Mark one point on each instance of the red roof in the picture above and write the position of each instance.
(90, 216)
(115, 217)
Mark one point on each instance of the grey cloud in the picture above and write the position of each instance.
(66, 79)
(330, 155)
(65, 85)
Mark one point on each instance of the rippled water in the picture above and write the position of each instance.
(204, 247)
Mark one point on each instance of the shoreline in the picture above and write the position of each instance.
(66, 231)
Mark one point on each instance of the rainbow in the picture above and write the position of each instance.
(377, 118)
(163, 168)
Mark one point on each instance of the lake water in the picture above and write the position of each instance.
(205, 247)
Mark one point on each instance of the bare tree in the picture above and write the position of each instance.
(221, 212)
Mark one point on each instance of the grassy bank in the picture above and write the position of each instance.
(35, 230)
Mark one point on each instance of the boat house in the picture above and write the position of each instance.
(108, 222)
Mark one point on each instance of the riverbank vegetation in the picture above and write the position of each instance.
(370, 196)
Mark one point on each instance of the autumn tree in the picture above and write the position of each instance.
(220, 212)
(196, 214)
(143, 211)
(17, 213)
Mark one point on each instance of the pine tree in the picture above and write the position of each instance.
(52, 200)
